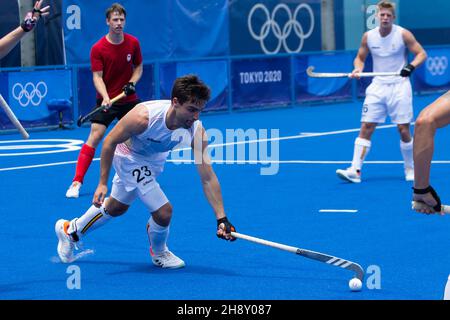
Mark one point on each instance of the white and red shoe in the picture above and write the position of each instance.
(167, 260)
(67, 244)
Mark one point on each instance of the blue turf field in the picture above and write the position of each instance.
(410, 250)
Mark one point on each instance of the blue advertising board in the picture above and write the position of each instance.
(260, 82)
(86, 91)
(434, 74)
(29, 92)
(309, 89)
(213, 72)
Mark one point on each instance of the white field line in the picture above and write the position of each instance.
(338, 210)
(299, 136)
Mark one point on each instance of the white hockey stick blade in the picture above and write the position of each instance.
(318, 256)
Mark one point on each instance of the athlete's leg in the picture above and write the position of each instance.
(363, 144)
(70, 232)
(434, 116)
(158, 228)
(400, 109)
(373, 112)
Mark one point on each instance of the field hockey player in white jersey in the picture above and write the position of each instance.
(138, 147)
(386, 96)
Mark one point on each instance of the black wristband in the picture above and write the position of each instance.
(37, 11)
(129, 88)
(222, 220)
(410, 67)
(407, 70)
(28, 25)
(422, 191)
(228, 228)
(430, 189)
(28, 22)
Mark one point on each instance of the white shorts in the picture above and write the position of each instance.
(393, 99)
(136, 180)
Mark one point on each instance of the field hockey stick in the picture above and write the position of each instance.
(312, 74)
(417, 205)
(318, 256)
(13, 118)
(87, 117)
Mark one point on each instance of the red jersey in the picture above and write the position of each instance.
(116, 61)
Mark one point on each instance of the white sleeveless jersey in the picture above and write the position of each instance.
(389, 53)
(152, 147)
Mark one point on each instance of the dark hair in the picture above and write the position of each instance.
(115, 7)
(190, 88)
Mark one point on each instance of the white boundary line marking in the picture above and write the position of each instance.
(264, 162)
(338, 210)
(300, 136)
(39, 165)
(66, 145)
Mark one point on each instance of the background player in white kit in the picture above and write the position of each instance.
(138, 147)
(388, 45)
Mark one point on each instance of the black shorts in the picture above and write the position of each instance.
(115, 111)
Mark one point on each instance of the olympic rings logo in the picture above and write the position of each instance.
(29, 93)
(437, 65)
(281, 33)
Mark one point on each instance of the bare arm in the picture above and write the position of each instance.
(133, 123)
(210, 183)
(137, 73)
(415, 48)
(8, 42)
(360, 59)
(100, 86)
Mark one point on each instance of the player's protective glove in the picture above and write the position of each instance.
(29, 21)
(430, 189)
(227, 226)
(407, 70)
(129, 88)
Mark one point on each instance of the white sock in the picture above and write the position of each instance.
(362, 148)
(91, 220)
(157, 235)
(407, 152)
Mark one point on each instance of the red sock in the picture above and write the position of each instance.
(84, 161)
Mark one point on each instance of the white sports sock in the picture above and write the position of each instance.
(407, 152)
(91, 220)
(157, 235)
(362, 148)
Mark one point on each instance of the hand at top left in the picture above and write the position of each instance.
(31, 18)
